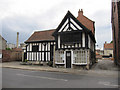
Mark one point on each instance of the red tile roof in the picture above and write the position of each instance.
(86, 21)
(41, 36)
(108, 46)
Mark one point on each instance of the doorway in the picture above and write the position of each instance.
(68, 59)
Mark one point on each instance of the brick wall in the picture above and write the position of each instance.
(10, 55)
(116, 31)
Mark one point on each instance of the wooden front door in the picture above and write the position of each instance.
(68, 59)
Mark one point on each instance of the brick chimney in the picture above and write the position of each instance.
(80, 12)
(86, 21)
(17, 39)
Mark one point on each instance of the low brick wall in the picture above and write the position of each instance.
(11, 55)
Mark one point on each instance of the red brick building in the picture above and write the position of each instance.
(108, 49)
(116, 30)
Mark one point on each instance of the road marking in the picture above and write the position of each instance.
(108, 84)
(42, 77)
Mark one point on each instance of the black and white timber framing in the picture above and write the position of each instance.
(43, 52)
(74, 45)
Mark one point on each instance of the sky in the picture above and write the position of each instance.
(27, 16)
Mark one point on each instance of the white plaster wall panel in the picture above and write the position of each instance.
(75, 24)
(63, 25)
(49, 46)
(32, 55)
(28, 48)
(42, 56)
(83, 39)
(39, 46)
(76, 45)
(59, 41)
(79, 45)
(42, 47)
(48, 56)
(73, 27)
(65, 29)
(29, 56)
(37, 57)
(46, 47)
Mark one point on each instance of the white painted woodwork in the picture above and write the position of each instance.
(42, 56)
(73, 27)
(63, 25)
(37, 56)
(28, 48)
(49, 56)
(49, 46)
(39, 46)
(83, 39)
(59, 41)
(75, 24)
(42, 47)
(65, 29)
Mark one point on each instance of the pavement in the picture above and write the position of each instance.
(95, 70)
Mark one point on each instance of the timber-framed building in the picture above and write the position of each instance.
(73, 40)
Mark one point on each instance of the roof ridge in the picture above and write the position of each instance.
(45, 30)
(87, 18)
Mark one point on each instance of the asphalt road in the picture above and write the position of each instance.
(16, 78)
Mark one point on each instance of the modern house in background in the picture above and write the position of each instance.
(116, 31)
(108, 49)
(11, 45)
(72, 43)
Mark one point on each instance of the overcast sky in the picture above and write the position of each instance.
(27, 16)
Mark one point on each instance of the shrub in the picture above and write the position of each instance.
(8, 49)
(50, 63)
(26, 60)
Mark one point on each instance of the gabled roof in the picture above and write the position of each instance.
(69, 15)
(41, 36)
